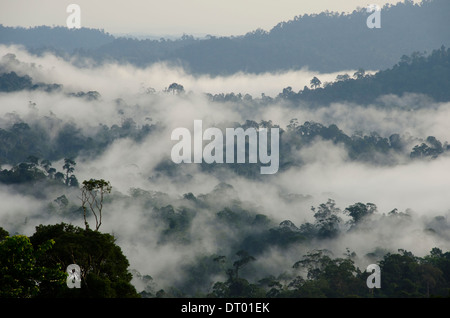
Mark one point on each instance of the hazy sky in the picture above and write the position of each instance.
(224, 17)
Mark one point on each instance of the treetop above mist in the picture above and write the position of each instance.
(416, 73)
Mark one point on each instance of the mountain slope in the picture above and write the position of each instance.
(416, 74)
(325, 42)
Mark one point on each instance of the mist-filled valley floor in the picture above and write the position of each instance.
(358, 183)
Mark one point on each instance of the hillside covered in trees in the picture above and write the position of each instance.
(49, 151)
(325, 42)
(420, 75)
(87, 175)
(417, 73)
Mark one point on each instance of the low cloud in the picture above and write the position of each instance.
(419, 187)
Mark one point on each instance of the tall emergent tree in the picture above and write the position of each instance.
(315, 82)
(92, 195)
(175, 88)
(69, 167)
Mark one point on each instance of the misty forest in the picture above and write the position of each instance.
(86, 175)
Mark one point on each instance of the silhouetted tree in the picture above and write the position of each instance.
(315, 82)
(92, 195)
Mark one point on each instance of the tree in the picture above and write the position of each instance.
(400, 275)
(59, 176)
(104, 267)
(287, 93)
(359, 74)
(20, 274)
(343, 77)
(327, 219)
(73, 181)
(441, 261)
(360, 211)
(236, 286)
(315, 82)
(431, 149)
(92, 195)
(33, 160)
(3, 234)
(175, 88)
(244, 259)
(69, 166)
(327, 277)
(46, 164)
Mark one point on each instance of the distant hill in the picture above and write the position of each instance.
(55, 38)
(325, 42)
(11, 82)
(418, 74)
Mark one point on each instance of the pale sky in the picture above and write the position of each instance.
(172, 17)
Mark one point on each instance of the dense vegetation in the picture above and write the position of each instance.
(245, 236)
(30, 154)
(223, 243)
(404, 275)
(35, 266)
(325, 42)
(21, 139)
(10, 82)
(428, 75)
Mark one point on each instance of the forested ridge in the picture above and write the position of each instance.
(416, 74)
(317, 273)
(29, 151)
(325, 42)
(87, 177)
